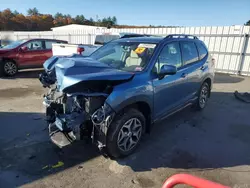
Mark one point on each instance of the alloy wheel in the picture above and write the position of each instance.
(130, 134)
(203, 96)
(10, 68)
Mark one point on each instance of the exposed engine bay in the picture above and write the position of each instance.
(78, 116)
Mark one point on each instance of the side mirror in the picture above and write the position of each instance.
(167, 70)
(24, 48)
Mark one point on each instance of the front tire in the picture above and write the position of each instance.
(9, 68)
(203, 96)
(125, 133)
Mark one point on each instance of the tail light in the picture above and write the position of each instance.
(80, 50)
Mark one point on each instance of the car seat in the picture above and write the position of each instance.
(133, 59)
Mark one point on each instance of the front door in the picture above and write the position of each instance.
(34, 56)
(170, 91)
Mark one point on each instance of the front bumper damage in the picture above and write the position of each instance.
(88, 117)
(76, 106)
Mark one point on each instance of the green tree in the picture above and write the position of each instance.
(58, 15)
(33, 11)
(248, 23)
(59, 19)
(89, 22)
(79, 19)
(114, 20)
(16, 12)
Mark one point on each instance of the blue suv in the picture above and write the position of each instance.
(115, 95)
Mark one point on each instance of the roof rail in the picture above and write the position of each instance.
(181, 36)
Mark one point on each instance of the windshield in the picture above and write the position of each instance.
(102, 39)
(14, 44)
(128, 56)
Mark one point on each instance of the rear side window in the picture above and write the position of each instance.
(48, 44)
(189, 52)
(202, 50)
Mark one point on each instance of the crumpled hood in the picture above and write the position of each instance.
(72, 71)
(50, 63)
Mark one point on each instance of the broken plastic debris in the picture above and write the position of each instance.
(59, 164)
(245, 97)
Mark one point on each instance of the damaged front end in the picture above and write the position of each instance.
(73, 117)
(76, 107)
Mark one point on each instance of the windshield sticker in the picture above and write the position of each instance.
(139, 50)
(147, 45)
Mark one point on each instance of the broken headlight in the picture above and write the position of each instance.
(101, 114)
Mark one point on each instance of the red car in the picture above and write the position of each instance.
(25, 53)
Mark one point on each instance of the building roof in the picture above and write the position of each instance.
(76, 26)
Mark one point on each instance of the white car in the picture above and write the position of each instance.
(87, 49)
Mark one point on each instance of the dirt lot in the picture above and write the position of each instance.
(213, 144)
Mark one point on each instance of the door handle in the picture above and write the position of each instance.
(183, 75)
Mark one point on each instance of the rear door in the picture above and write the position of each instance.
(33, 56)
(193, 67)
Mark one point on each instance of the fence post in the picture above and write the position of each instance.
(69, 38)
(243, 53)
(90, 42)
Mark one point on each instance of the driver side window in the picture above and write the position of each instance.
(34, 45)
(170, 55)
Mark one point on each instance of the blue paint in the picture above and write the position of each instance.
(162, 95)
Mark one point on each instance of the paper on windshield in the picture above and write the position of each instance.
(144, 45)
(139, 50)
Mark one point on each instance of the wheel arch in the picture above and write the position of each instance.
(9, 59)
(143, 106)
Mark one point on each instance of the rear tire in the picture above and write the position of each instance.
(203, 96)
(125, 133)
(8, 68)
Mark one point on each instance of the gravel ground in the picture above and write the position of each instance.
(213, 144)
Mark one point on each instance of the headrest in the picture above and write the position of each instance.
(133, 54)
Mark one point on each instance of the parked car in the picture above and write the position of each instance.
(25, 53)
(87, 49)
(123, 88)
